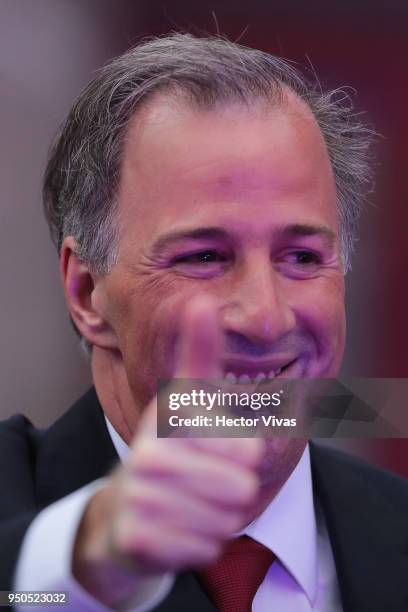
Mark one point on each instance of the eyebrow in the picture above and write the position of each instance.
(215, 233)
(305, 230)
(200, 233)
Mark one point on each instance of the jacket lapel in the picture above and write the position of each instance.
(366, 511)
(74, 451)
(186, 595)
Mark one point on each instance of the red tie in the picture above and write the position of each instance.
(232, 581)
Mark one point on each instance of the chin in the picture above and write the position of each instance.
(280, 459)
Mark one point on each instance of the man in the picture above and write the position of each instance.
(204, 200)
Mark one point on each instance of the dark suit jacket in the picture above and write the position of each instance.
(366, 509)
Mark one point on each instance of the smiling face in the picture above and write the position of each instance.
(239, 205)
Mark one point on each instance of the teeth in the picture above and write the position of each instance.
(260, 377)
(244, 379)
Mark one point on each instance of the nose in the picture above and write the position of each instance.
(258, 310)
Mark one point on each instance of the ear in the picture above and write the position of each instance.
(79, 287)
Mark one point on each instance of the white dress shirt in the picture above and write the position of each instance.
(301, 579)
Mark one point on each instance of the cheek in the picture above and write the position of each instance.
(150, 322)
(320, 311)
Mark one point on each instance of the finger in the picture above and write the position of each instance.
(199, 353)
(157, 551)
(172, 508)
(147, 426)
(208, 476)
(243, 451)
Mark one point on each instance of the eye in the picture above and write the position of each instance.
(200, 257)
(299, 264)
(304, 257)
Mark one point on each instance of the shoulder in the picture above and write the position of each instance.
(18, 443)
(343, 481)
(18, 438)
(14, 427)
(366, 513)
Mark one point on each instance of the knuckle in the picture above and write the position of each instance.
(251, 451)
(144, 455)
(235, 522)
(135, 545)
(122, 543)
(208, 553)
(149, 507)
(249, 486)
(256, 449)
(227, 523)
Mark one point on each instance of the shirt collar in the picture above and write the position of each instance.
(120, 445)
(287, 526)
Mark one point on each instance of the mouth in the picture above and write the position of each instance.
(254, 373)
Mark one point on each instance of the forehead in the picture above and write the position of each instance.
(178, 160)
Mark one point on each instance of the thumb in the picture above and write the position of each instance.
(199, 351)
(198, 355)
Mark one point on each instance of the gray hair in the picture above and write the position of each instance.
(83, 171)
